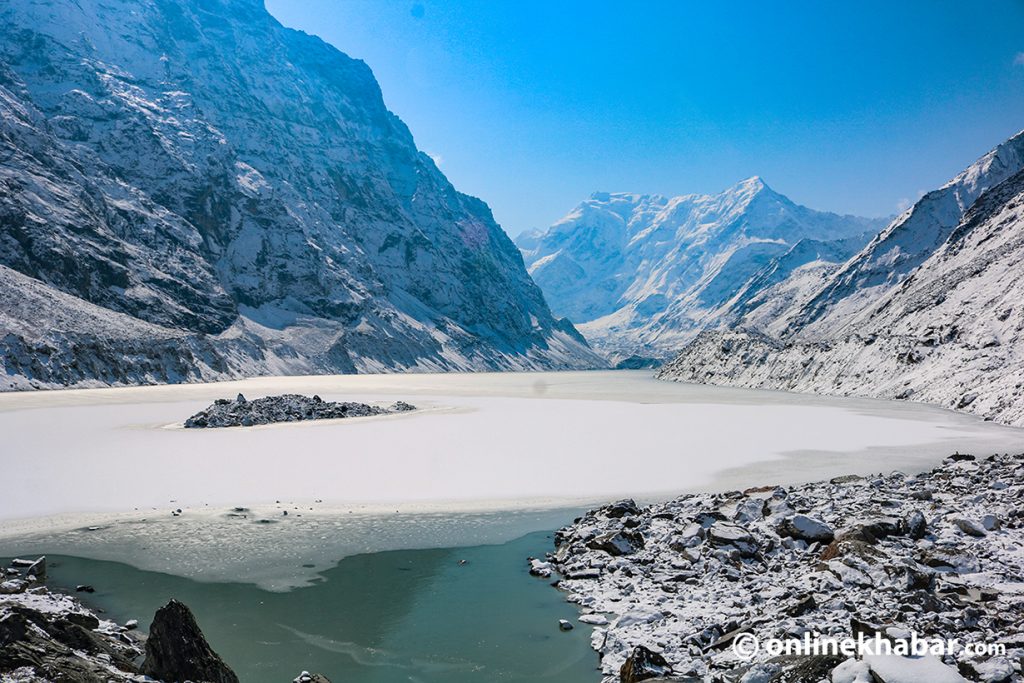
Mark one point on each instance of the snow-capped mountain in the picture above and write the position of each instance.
(945, 327)
(903, 246)
(641, 274)
(186, 169)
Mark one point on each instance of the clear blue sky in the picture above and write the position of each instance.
(531, 105)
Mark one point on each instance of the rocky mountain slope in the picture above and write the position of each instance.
(208, 180)
(943, 326)
(641, 274)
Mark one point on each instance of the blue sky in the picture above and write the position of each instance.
(532, 106)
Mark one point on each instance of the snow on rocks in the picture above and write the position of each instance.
(284, 408)
(806, 529)
(51, 636)
(306, 677)
(850, 556)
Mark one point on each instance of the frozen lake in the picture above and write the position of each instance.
(540, 444)
(504, 440)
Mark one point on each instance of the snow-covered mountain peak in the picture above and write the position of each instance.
(640, 272)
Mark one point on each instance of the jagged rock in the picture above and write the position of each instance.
(806, 529)
(176, 649)
(643, 664)
(84, 619)
(58, 643)
(617, 543)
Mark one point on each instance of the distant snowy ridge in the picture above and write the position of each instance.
(929, 311)
(192, 175)
(643, 274)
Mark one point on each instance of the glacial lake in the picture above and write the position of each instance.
(451, 615)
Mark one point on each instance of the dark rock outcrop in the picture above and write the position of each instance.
(643, 664)
(284, 408)
(177, 651)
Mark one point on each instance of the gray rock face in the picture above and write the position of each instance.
(176, 649)
(285, 408)
(191, 190)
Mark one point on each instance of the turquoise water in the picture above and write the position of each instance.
(404, 615)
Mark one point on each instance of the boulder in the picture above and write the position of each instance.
(723, 534)
(176, 649)
(540, 568)
(306, 677)
(621, 508)
(970, 527)
(38, 568)
(643, 664)
(883, 527)
(807, 529)
(916, 525)
(617, 543)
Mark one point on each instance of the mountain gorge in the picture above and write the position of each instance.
(643, 274)
(929, 310)
(191, 175)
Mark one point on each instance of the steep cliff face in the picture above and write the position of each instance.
(643, 274)
(947, 331)
(196, 166)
